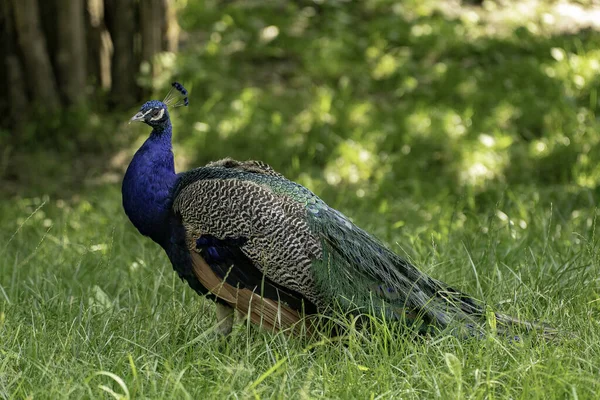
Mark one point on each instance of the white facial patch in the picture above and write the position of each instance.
(158, 116)
(146, 113)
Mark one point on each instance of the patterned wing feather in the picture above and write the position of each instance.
(254, 228)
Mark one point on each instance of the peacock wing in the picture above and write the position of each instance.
(248, 244)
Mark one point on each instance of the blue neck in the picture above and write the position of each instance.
(148, 183)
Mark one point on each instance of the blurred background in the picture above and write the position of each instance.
(464, 134)
(402, 112)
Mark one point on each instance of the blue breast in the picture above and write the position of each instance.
(147, 188)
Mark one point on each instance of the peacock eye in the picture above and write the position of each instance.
(155, 112)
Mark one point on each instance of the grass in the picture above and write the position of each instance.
(92, 312)
(467, 141)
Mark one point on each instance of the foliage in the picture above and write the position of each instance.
(466, 137)
(376, 92)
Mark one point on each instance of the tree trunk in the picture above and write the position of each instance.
(171, 28)
(152, 26)
(99, 43)
(124, 66)
(47, 11)
(16, 91)
(48, 47)
(4, 51)
(71, 50)
(11, 73)
(35, 55)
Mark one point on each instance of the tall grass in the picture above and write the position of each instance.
(89, 308)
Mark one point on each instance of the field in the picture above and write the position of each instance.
(464, 137)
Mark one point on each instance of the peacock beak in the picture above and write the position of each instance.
(138, 117)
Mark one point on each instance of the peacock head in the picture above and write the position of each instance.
(155, 113)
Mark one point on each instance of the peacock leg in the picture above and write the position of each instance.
(225, 316)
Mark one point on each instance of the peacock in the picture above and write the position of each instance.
(243, 235)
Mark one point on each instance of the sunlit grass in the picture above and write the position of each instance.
(88, 306)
